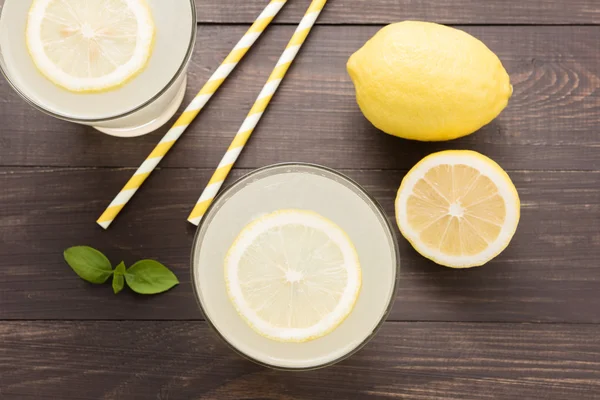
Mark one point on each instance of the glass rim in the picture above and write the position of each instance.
(178, 73)
(377, 208)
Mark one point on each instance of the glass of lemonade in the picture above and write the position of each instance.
(303, 195)
(117, 65)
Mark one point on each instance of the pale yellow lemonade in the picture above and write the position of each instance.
(159, 86)
(319, 194)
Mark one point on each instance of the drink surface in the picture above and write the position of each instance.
(174, 26)
(305, 188)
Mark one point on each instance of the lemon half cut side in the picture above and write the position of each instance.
(458, 208)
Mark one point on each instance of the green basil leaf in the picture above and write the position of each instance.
(150, 277)
(90, 264)
(118, 282)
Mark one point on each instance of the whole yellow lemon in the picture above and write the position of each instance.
(429, 82)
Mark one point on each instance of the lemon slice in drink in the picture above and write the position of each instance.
(458, 208)
(91, 45)
(293, 275)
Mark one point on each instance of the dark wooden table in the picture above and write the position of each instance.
(525, 326)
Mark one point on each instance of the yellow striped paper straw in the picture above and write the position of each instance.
(257, 111)
(207, 91)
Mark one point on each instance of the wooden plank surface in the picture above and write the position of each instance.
(387, 11)
(184, 360)
(508, 12)
(549, 273)
(526, 326)
(551, 122)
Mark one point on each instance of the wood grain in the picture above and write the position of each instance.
(181, 360)
(553, 114)
(526, 326)
(388, 11)
(509, 12)
(550, 124)
(550, 272)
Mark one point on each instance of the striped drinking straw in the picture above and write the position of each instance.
(257, 111)
(215, 81)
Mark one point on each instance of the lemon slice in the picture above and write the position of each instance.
(92, 45)
(458, 208)
(293, 275)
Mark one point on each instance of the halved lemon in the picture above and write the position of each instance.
(91, 45)
(293, 275)
(458, 208)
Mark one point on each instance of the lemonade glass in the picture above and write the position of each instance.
(306, 187)
(139, 106)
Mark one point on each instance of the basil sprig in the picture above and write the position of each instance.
(143, 277)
